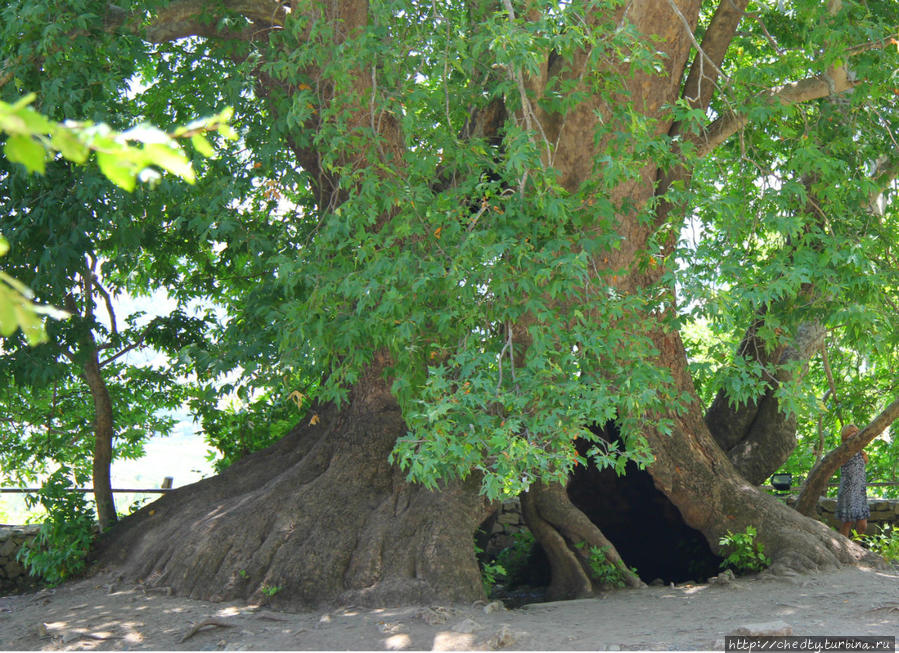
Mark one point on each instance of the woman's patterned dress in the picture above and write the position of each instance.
(852, 499)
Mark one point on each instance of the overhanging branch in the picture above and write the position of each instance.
(185, 18)
(805, 90)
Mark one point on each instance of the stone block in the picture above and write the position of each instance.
(511, 505)
(14, 570)
(826, 504)
(10, 547)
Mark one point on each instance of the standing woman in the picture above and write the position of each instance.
(852, 498)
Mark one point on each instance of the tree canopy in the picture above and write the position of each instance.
(523, 215)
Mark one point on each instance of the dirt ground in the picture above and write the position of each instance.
(92, 614)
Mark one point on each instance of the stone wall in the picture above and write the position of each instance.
(883, 511)
(12, 574)
(503, 525)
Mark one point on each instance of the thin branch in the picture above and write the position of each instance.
(134, 345)
(819, 445)
(829, 373)
(108, 301)
(530, 117)
(834, 82)
(758, 18)
(700, 53)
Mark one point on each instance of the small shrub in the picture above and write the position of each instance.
(604, 571)
(885, 543)
(746, 555)
(491, 571)
(270, 590)
(514, 559)
(61, 546)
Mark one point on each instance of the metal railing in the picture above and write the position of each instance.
(162, 489)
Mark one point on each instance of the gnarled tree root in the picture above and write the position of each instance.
(567, 536)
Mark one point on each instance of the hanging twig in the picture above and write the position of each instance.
(527, 110)
(830, 382)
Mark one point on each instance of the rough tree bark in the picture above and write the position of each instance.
(318, 518)
(567, 535)
(323, 518)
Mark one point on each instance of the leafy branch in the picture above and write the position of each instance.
(123, 157)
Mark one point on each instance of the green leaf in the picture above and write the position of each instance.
(170, 158)
(35, 122)
(120, 172)
(69, 145)
(202, 145)
(25, 150)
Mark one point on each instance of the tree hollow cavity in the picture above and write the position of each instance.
(642, 523)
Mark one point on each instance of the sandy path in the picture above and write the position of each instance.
(91, 614)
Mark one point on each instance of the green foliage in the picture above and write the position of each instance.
(602, 570)
(17, 311)
(123, 157)
(763, 245)
(745, 554)
(514, 559)
(245, 424)
(59, 550)
(270, 590)
(465, 257)
(491, 573)
(59, 226)
(885, 543)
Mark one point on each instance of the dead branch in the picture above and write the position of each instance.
(218, 623)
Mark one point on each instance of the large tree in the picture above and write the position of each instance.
(488, 202)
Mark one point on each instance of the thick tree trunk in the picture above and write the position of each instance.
(318, 518)
(713, 497)
(757, 435)
(321, 517)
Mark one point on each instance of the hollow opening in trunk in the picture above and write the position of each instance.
(642, 523)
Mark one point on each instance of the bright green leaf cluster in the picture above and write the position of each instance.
(124, 157)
